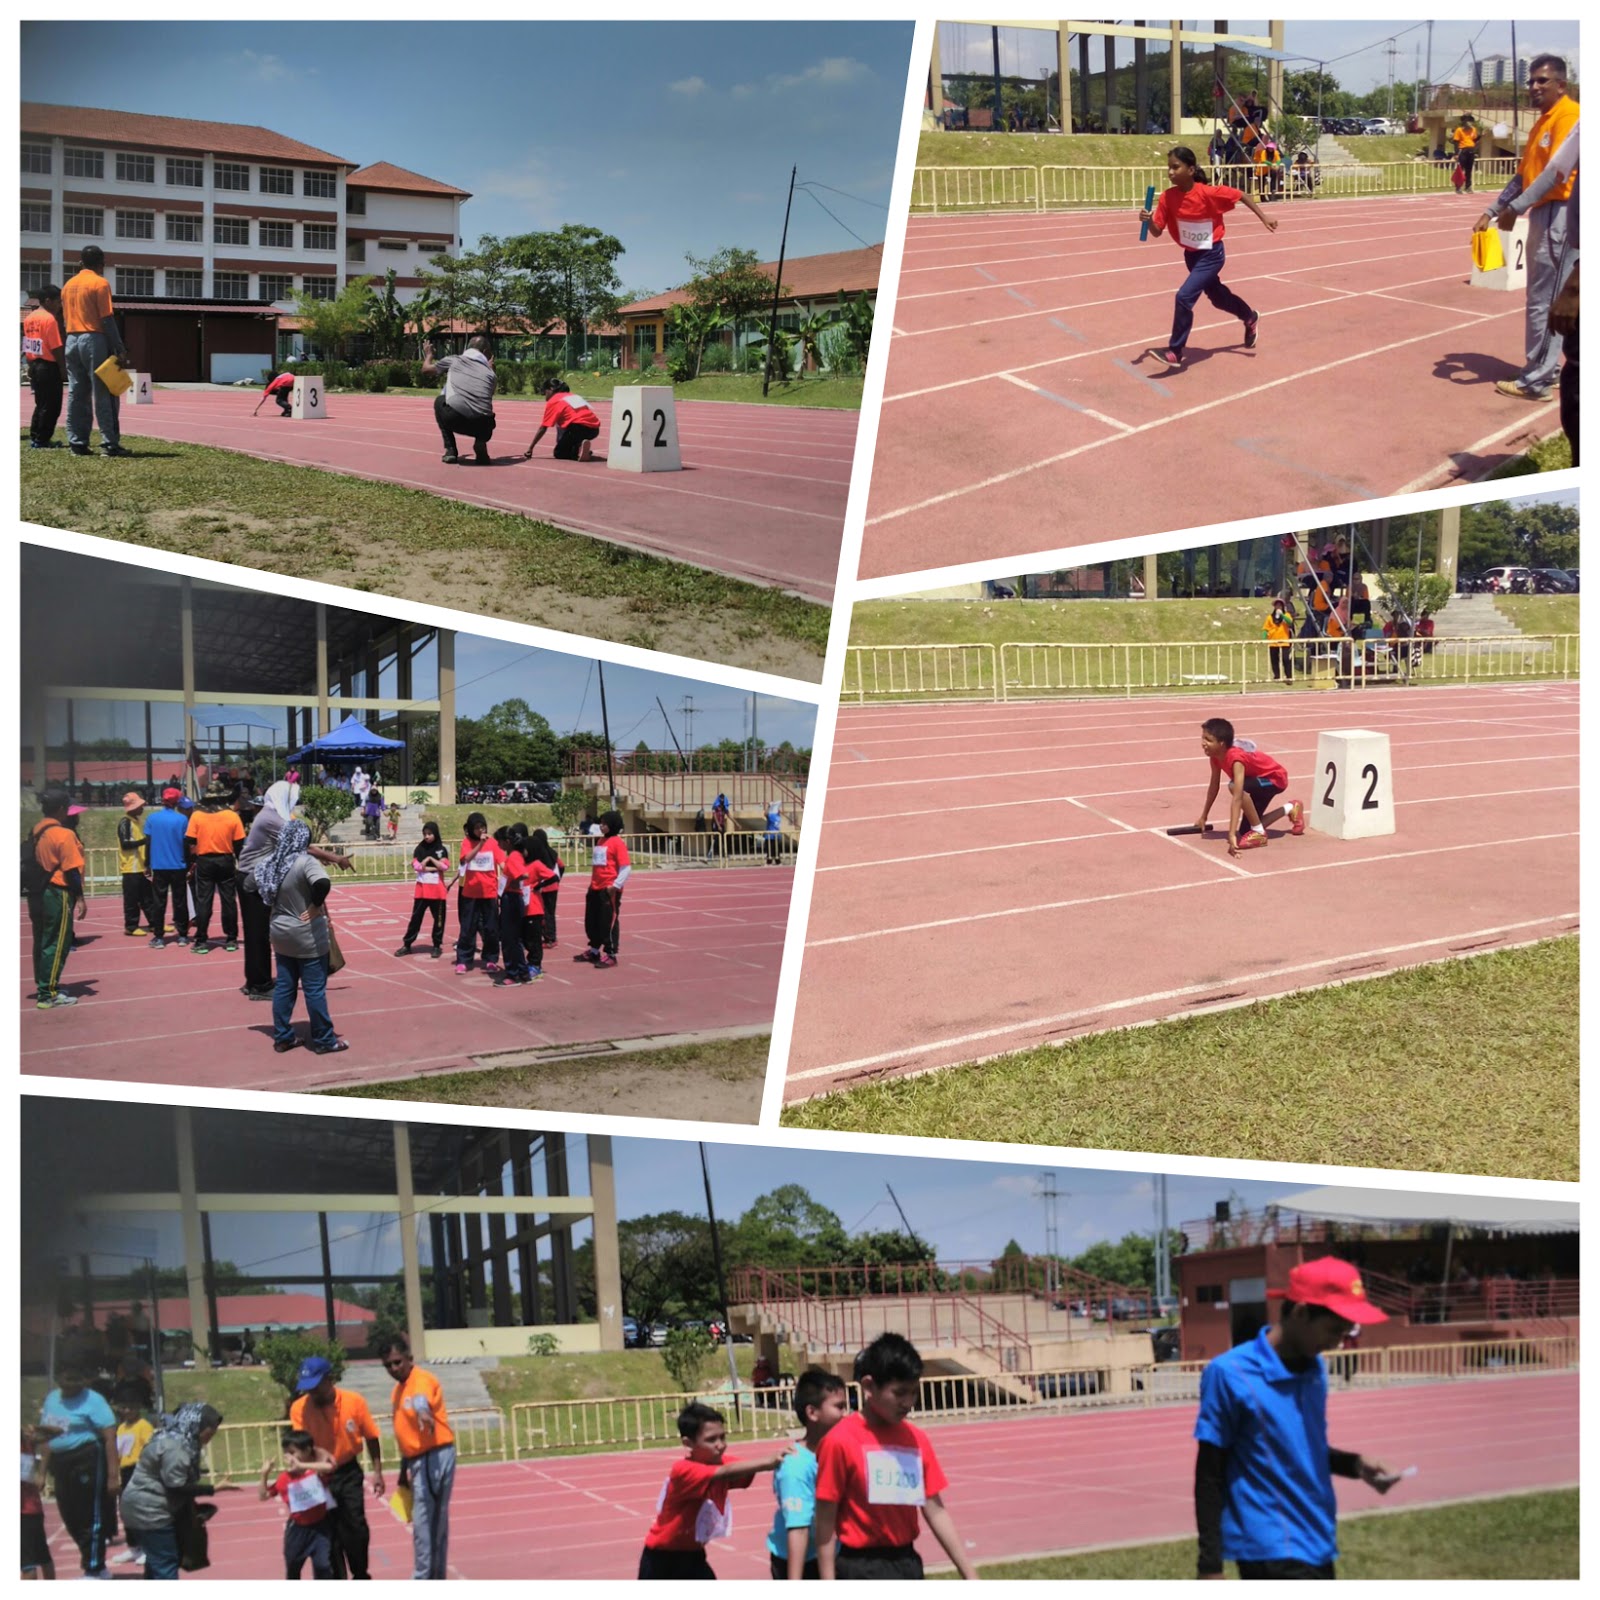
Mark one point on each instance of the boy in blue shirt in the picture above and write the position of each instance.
(820, 1401)
(1263, 1481)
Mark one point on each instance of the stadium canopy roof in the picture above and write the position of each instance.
(230, 717)
(1500, 1215)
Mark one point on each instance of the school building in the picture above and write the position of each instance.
(210, 228)
(814, 286)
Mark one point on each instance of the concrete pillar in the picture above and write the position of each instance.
(194, 1252)
(1113, 115)
(1064, 77)
(38, 708)
(1449, 543)
(324, 715)
(404, 644)
(527, 1245)
(373, 678)
(447, 717)
(409, 1265)
(1152, 580)
(1175, 86)
(186, 629)
(1275, 72)
(607, 1259)
(935, 80)
(556, 1183)
(1083, 80)
(499, 1251)
(1141, 83)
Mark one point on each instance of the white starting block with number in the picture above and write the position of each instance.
(141, 394)
(308, 401)
(644, 430)
(1353, 786)
(1514, 274)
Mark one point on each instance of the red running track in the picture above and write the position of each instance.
(987, 871)
(1018, 396)
(700, 951)
(761, 497)
(1018, 1487)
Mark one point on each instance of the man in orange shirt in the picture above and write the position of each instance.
(215, 837)
(92, 336)
(45, 353)
(1547, 224)
(341, 1423)
(55, 897)
(427, 1447)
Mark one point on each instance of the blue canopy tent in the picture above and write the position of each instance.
(218, 719)
(352, 740)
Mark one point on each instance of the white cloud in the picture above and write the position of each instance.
(830, 73)
(265, 68)
(1025, 1184)
(532, 183)
(688, 86)
(743, 91)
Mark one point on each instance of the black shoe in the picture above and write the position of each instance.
(330, 1049)
(405, 950)
(436, 952)
(450, 459)
(284, 1046)
(480, 454)
(201, 948)
(157, 943)
(79, 449)
(1250, 332)
(115, 450)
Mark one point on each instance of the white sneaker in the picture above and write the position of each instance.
(128, 1558)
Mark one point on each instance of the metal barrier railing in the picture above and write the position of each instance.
(642, 1422)
(236, 1452)
(942, 190)
(1237, 666)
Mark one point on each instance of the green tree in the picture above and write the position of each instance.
(665, 1264)
(1312, 93)
(568, 807)
(686, 1356)
(890, 1247)
(858, 313)
(733, 282)
(809, 337)
(330, 325)
(385, 326)
(324, 808)
(787, 1228)
(572, 277)
(511, 740)
(782, 344)
(283, 1353)
(1407, 593)
(483, 287)
(694, 324)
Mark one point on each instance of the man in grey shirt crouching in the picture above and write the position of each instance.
(466, 402)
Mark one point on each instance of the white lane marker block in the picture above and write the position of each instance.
(644, 430)
(1353, 786)
(142, 393)
(308, 401)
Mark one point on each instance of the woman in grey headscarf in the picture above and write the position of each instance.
(295, 888)
(277, 808)
(160, 1496)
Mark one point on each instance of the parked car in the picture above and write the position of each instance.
(630, 1332)
(1505, 580)
(1066, 1385)
(1553, 580)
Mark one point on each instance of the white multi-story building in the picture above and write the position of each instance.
(214, 211)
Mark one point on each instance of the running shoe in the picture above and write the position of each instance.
(451, 459)
(436, 952)
(1250, 332)
(183, 938)
(57, 999)
(231, 946)
(461, 966)
(1172, 359)
(1520, 391)
(115, 451)
(586, 955)
(605, 961)
(1297, 818)
(135, 933)
(201, 948)
(535, 972)
(491, 967)
(405, 950)
(1252, 840)
(158, 943)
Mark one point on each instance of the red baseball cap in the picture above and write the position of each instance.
(1333, 1284)
(172, 794)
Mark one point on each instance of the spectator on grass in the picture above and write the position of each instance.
(46, 355)
(466, 402)
(92, 338)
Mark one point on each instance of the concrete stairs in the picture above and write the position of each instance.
(1474, 616)
(462, 1382)
(349, 831)
(1330, 153)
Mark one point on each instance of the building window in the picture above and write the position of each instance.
(277, 236)
(231, 175)
(185, 227)
(433, 247)
(319, 185)
(36, 216)
(355, 249)
(182, 173)
(36, 158)
(84, 163)
(184, 284)
(136, 224)
(320, 236)
(1208, 1294)
(35, 275)
(392, 244)
(320, 288)
(230, 285)
(276, 286)
(277, 180)
(230, 230)
(135, 168)
(86, 220)
(355, 200)
(136, 280)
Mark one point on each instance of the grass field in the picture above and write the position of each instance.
(1482, 1052)
(822, 393)
(1548, 455)
(304, 523)
(1525, 1537)
(884, 622)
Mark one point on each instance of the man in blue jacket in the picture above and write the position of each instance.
(169, 870)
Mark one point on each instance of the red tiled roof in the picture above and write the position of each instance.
(95, 126)
(804, 277)
(385, 175)
(253, 1311)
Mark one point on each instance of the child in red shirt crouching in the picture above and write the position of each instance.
(693, 1508)
(306, 1535)
(876, 1472)
(1255, 781)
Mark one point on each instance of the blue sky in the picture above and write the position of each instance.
(674, 137)
(1363, 47)
(564, 689)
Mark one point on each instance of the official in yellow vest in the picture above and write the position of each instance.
(1279, 631)
(1547, 225)
(133, 862)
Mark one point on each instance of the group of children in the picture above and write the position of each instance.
(506, 908)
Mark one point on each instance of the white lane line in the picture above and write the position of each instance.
(1071, 405)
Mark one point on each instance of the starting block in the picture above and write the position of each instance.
(1353, 786)
(142, 394)
(308, 400)
(644, 430)
(1514, 274)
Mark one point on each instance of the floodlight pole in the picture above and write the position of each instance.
(722, 1282)
(777, 286)
(605, 729)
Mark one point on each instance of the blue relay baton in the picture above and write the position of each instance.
(1149, 203)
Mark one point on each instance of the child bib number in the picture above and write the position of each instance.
(483, 861)
(33, 347)
(427, 877)
(305, 1494)
(894, 1478)
(28, 1462)
(1194, 234)
(713, 1522)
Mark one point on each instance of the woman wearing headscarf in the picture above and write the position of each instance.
(541, 850)
(277, 808)
(294, 887)
(159, 1499)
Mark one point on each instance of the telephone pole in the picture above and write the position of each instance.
(1052, 1231)
(1391, 50)
(687, 712)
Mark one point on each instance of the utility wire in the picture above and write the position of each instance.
(866, 244)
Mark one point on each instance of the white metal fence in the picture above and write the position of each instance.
(1026, 671)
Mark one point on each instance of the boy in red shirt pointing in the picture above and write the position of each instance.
(693, 1508)
(876, 1472)
(1255, 781)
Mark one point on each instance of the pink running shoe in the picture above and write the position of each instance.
(605, 961)
(491, 966)
(1253, 840)
(461, 966)
(1297, 818)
